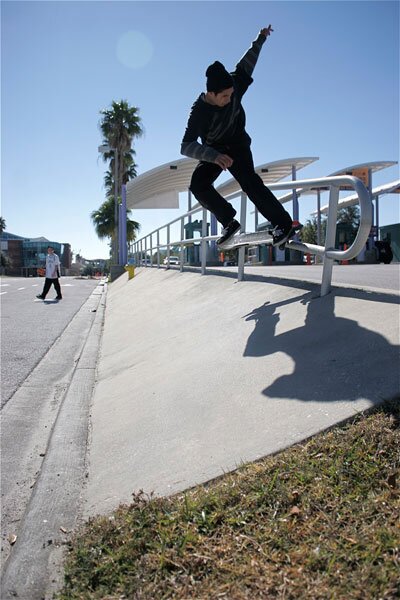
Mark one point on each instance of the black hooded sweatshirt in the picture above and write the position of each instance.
(221, 127)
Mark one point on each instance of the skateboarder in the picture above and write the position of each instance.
(217, 117)
(52, 274)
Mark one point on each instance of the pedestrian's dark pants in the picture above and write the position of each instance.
(243, 171)
(47, 286)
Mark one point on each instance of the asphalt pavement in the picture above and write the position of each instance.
(44, 438)
(29, 327)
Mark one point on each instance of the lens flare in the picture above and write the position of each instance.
(134, 49)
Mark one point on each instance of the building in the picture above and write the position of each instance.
(27, 254)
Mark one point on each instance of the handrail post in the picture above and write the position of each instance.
(145, 251)
(330, 240)
(203, 242)
(151, 250)
(168, 249)
(242, 249)
(158, 248)
(182, 245)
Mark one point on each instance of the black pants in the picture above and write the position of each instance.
(47, 286)
(243, 171)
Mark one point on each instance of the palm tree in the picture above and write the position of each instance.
(104, 222)
(119, 125)
(129, 173)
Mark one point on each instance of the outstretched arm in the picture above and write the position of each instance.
(249, 59)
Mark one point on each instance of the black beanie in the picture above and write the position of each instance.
(218, 78)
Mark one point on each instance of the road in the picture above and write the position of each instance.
(49, 359)
(29, 327)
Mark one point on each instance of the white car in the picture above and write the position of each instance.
(173, 260)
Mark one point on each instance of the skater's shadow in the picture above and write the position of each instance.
(335, 358)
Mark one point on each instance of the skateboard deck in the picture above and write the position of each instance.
(246, 239)
(259, 237)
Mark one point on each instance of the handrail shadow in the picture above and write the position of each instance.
(335, 358)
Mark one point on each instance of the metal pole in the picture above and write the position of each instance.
(189, 205)
(182, 245)
(371, 236)
(204, 243)
(242, 249)
(330, 240)
(119, 235)
(294, 195)
(319, 217)
(168, 248)
(116, 212)
(377, 216)
(124, 236)
(151, 250)
(213, 231)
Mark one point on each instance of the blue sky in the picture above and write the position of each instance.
(326, 84)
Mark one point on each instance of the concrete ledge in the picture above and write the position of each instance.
(200, 373)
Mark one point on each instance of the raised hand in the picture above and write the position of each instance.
(267, 30)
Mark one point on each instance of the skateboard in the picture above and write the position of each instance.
(259, 237)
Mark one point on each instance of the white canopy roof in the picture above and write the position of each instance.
(269, 172)
(387, 188)
(356, 170)
(160, 187)
(371, 166)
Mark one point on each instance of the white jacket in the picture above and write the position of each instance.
(52, 266)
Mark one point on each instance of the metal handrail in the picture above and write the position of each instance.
(328, 251)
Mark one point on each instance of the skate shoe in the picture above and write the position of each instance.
(280, 235)
(229, 231)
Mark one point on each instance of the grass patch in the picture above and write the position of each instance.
(319, 520)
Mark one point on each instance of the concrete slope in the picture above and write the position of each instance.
(201, 373)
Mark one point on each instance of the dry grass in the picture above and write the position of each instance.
(318, 521)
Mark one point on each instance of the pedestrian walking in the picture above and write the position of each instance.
(52, 275)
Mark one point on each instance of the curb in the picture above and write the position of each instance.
(33, 568)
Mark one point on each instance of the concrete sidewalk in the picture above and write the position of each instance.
(198, 374)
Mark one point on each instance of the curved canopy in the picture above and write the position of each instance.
(387, 188)
(160, 187)
(370, 166)
(269, 172)
(360, 171)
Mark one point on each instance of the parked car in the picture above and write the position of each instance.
(173, 260)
